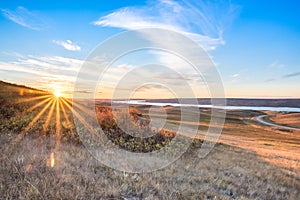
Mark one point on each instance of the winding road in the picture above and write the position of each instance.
(261, 120)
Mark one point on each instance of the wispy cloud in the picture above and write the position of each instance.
(151, 79)
(270, 80)
(286, 76)
(68, 45)
(26, 18)
(200, 20)
(48, 72)
(203, 21)
(291, 75)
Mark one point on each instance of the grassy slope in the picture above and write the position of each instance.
(227, 173)
(289, 119)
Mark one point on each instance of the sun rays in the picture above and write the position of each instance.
(51, 118)
(50, 110)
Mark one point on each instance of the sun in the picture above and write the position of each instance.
(57, 94)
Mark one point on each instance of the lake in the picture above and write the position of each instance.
(257, 108)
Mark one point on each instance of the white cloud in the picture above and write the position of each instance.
(54, 64)
(203, 21)
(26, 18)
(68, 45)
(46, 71)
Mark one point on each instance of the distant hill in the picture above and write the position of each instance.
(6, 85)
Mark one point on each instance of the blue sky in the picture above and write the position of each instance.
(254, 44)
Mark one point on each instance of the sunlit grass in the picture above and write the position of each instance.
(50, 104)
(52, 108)
(34, 98)
(39, 104)
(49, 116)
(58, 126)
(46, 162)
(67, 102)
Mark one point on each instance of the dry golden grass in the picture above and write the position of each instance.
(226, 173)
(279, 147)
(253, 161)
(289, 119)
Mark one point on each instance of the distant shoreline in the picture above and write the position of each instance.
(226, 107)
(250, 102)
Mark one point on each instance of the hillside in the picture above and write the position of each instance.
(43, 158)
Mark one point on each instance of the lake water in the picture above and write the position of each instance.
(256, 108)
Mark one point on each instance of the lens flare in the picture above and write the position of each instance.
(51, 160)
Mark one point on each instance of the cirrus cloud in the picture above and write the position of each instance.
(203, 21)
(291, 75)
(26, 18)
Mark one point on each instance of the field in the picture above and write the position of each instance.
(290, 119)
(42, 156)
